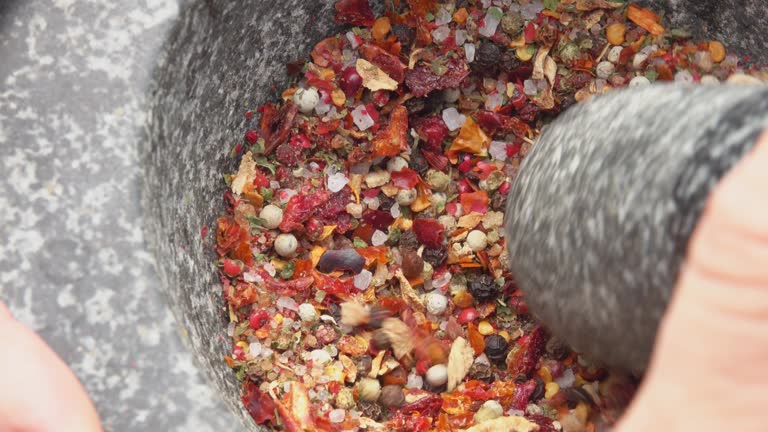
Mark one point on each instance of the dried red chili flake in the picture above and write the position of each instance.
(394, 138)
(419, 10)
(475, 201)
(259, 404)
(288, 114)
(327, 53)
(522, 394)
(242, 294)
(492, 123)
(429, 232)
(258, 318)
(231, 268)
(545, 423)
(378, 219)
(229, 235)
(427, 406)
(414, 422)
(406, 178)
(387, 62)
(432, 130)
(530, 349)
(299, 208)
(333, 285)
(436, 159)
(289, 154)
(422, 81)
(355, 12)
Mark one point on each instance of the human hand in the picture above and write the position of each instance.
(708, 371)
(38, 392)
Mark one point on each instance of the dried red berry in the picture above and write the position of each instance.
(467, 315)
(350, 81)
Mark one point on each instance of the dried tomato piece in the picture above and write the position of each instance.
(429, 232)
(406, 178)
(394, 138)
(354, 12)
(260, 405)
(431, 129)
(299, 208)
(422, 81)
(531, 348)
(386, 61)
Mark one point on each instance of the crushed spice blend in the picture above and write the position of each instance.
(362, 252)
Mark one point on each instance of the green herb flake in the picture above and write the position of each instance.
(263, 162)
(551, 4)
(358, 243)
(287, 271)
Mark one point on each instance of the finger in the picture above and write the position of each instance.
(5, 313)
(37, 390)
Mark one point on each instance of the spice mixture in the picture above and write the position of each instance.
(362, 253)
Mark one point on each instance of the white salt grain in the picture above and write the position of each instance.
(337, 415)
(337, 181)
(363, 280)
(453, 119)
(469, 52)
(362, 119)
(379, 238)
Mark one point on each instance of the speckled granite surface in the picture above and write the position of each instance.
(73, 263)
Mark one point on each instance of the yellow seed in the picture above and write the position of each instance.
(581, 412)
(243, 345)
(525, 53)
(551, 390)
(278, 318)
(485, 328)
(615, 33)
(338, 97)
(505, 335)
(545, 374)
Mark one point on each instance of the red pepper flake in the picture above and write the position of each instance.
(406, 178)
(429, 232)
(355, 12)
(475, 202)
(531, 347)
(393, 139)
(422, 81)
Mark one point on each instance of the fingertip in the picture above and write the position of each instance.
(5, 313)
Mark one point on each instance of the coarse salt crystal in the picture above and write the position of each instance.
(414, 381)
(684, 76)
(337, 181)
(530, 88)
(395, 210)
(460, 36)
(469, 52)
(453, 119)
(443, 16)
(337, 415)
(491, 21)
(441, 33)
(494, 101)
(270, 269)
(363, 280)
(441, 280)
(362, 119)
(255, 349)
(319, 357)
(567, 379)
(353, 39)
(231, 329)
(498, 150)
(287, 303)
(379, 238)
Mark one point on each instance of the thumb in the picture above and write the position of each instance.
(709, 369)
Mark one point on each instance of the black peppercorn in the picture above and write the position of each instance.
(557, 349)
(509, 62)
(435, 256)
(512, 23)
(392, 396)
(419, 162)
(483, 288)
(371, 410)
(482, 372)
(496, 348)
(487, 59)
(538, 391)
(408, 240)
(404, 34)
